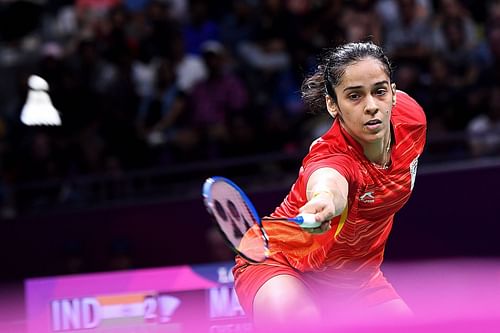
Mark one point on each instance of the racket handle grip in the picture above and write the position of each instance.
(307, 221)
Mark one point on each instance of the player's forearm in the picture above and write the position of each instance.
(328, 183)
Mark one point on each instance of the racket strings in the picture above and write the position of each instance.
(247, 225)
(233, 212)
(237, 234)
(236, 219)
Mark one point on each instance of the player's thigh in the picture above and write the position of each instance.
(283, 297)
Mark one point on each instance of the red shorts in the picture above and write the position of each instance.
(330, 293)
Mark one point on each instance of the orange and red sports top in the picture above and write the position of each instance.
(357, 238)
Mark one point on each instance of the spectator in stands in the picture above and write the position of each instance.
(158, 29)
(388, 10)
(215, 100)
(454, 39)
(449, 10)
(189, 68)
(162, 118)
(484, 130)
(238, 25)
(488, 51)
(199, 28)
(487, 60)
(361, 21)
(329, 25)
(438, 99)
(407, 37)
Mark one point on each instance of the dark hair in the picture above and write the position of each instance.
(331, 68)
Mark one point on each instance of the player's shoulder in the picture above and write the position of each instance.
(407, 110)
(318, 143)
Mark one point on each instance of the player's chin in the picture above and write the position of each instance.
(372, 137)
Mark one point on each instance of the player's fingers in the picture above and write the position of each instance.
(321, 213)
(323, 209)
(319, 230)
(324, 216)
(312, 207)
(325, 226)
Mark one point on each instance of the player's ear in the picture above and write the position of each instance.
(331, 106)
(393, 88)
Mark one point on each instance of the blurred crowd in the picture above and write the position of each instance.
(154, 83)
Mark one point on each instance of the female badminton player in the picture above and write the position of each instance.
(354, 179)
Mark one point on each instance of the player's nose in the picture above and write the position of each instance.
(371, 106)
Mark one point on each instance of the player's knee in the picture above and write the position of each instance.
(284, 301)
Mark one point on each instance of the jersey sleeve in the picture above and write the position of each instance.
(343, 163)
(410, 118)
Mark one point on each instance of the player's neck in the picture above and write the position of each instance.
(379, 152)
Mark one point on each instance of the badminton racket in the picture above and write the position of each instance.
(238, 220)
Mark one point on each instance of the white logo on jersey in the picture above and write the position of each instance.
(413, 171)
(367, 197)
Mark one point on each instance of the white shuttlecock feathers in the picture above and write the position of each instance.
(38, 109)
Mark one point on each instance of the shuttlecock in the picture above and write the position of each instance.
(38, 109)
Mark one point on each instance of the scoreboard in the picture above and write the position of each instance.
(197, 298)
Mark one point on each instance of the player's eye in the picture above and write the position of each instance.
(354, 96)
(381, 92)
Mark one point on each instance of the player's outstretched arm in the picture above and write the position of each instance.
(327, 192)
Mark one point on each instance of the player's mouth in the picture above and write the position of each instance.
(373, 124)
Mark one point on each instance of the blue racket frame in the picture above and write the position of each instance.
(209, 204)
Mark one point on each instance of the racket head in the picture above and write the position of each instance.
(236, 218)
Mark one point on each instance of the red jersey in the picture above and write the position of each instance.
(357, 238)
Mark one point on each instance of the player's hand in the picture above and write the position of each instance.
(323, 208)
(325, 226)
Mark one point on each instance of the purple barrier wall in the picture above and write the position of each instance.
(453, 213)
